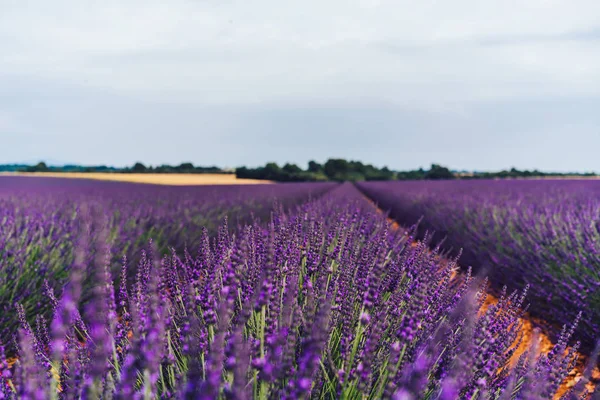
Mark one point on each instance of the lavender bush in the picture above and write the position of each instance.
(539, 233)
(40, 222)
(323, 302)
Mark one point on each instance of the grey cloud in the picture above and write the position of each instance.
(394, 83)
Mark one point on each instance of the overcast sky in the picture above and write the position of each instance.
(470, 84)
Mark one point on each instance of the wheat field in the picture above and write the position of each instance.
(158, 179)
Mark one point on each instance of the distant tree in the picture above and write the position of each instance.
(374, 174)
(439, 172)
(272, 171)
(336, 168)
(213, 169)
(360, 168)
(164, 168)
(314, 167)
(411, 175)
(243, 172)
(292, 168)
(39, 167)
(185, 167)
(139, 167)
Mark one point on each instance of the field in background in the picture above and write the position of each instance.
(159, 179)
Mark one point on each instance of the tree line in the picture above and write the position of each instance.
(338, 169)
(137, 168)
(335, 169)
(343, 170)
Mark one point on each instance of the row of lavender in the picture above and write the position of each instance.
(323, 302)
(539, 233)
(39, 224)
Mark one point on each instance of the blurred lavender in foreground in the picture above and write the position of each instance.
(41, 220)
(323, 302)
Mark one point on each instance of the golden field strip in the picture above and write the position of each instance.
(158, 179)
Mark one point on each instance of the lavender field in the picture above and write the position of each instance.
(294, 291)
(43, 219)
(541, 233)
